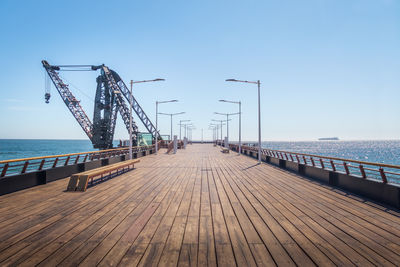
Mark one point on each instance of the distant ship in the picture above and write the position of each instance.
(328, 139)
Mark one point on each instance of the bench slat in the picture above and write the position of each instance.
(109, 166)
(79, 181)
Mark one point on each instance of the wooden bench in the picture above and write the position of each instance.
(79, 181)
(225, 150)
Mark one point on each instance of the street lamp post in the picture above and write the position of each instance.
(130, 109)
(171, 115)
(227, 121)
(212, 127)
(217, 128)
(220, 121)
(180, 128)
(185, 127)
(190, 128)
(216, 133)
(130, 123)
(240, 121)
(259, 112)
(160, 102)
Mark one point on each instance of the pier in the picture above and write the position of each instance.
(197, 207)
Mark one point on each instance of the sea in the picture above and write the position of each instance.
(381, 151)
(378, 151)
(26, 148)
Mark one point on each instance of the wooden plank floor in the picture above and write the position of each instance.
(198, 207)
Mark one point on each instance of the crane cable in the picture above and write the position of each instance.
(82, 92)
(47, 84)
(47, 87)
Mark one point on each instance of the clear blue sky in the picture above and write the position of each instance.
(328, 68)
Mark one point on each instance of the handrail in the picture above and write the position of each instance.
(341, 159)
(33, 164)
(363, 169)
(66, 155)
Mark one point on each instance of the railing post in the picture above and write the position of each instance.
(5, 168)
(25, 167)
(312, 161)
(66, 161)
(346, 168)
(298, 159)
(77, 159)
(322, 163)
(383, 175)
(362, 172)
(41, 165)
(333, 166)
(291, 157)
(55, 163)
(84, 160)
(305, 161)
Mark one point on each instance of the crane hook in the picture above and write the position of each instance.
(47, 97)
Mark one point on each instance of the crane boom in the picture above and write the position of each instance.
(123, 109)
(136, 107)
(69, 99)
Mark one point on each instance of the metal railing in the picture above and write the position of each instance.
(386, 173)
(26, 165)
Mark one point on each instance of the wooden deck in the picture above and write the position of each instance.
(198, 207)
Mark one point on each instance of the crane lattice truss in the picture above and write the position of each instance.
(109, 100)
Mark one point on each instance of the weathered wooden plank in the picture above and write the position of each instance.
(196, 207)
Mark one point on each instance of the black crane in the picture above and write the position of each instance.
(109, 100)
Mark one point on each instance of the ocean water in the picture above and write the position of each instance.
(26, 148)
(385, 151)
(381, 151)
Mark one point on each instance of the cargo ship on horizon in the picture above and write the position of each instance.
(328, 139)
